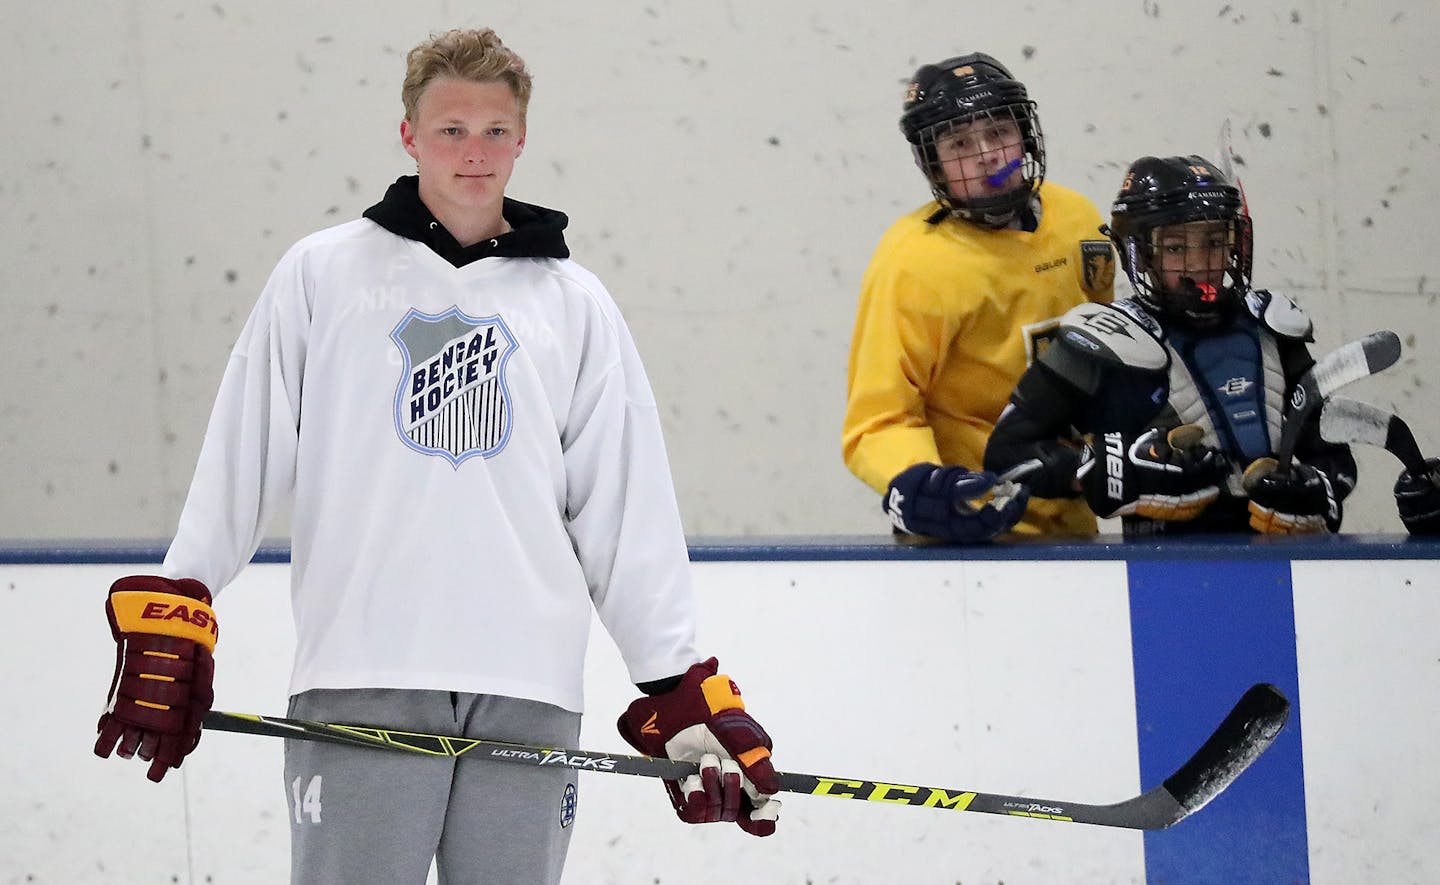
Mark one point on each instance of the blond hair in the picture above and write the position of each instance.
(474, 55)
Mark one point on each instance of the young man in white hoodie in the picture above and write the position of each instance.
(475, 461)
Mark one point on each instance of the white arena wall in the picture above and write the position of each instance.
(728, 168)
(1079, 672)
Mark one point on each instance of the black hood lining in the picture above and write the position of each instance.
(536, 232)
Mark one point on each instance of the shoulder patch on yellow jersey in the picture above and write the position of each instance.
(1097, 265)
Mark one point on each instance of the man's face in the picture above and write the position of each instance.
(974, 152)
(1199, 250)
(465, 138)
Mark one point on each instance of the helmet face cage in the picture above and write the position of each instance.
(980, 93)
(1183, 239)
(1191, 271)
(963, 158)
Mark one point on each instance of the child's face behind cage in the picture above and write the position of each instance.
(1198, 250)
(970, 153)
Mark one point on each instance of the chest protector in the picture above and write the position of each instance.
(1231, 384)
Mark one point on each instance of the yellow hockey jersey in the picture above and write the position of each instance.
(950, 315)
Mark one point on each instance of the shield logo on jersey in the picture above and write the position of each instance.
(1098, 262)
(452, 400)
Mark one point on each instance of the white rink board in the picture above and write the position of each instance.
(1368, 642)
(1011, 677)
(917, 675)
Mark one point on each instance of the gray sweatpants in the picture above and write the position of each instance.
(369, 816)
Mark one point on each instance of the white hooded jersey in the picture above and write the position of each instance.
(475, 459)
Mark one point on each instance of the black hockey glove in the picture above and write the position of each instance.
(943, 502)
(1155, 475)
(1418, 499)
(1049, 473)
(1301, 501)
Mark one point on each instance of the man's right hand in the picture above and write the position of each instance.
(947, 503)
(1155, 475)
(162, 688)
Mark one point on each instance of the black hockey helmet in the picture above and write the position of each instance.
(958, 90)
(1160, 192)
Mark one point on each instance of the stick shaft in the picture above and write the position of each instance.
(1246, 732)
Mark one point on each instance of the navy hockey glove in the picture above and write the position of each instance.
(1418, 499)
(164, 634)
(943, 502)
(1155, 475)
(703, 720)
(1300, 501)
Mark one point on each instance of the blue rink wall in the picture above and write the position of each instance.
(1080, 672)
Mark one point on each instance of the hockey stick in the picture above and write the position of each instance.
(1348, 421)
(1245, 733)
(1228, 161)
(1345, 364)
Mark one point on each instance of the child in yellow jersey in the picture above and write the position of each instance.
(958, 298)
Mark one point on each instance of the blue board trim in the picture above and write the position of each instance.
(829, 548)
(1202, 633)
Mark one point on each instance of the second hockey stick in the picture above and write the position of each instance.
(1349, 421)
(1345, 364)
(1249, 729)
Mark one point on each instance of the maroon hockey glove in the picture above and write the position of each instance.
(1294, 502)
(703, 720)
(165, 635)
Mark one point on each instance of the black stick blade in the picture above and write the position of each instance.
(1248, 731)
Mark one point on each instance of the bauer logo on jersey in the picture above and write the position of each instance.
(452, 400)
(1097, 263)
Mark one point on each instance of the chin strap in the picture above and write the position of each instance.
(1206, 295)
(1020, 214)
